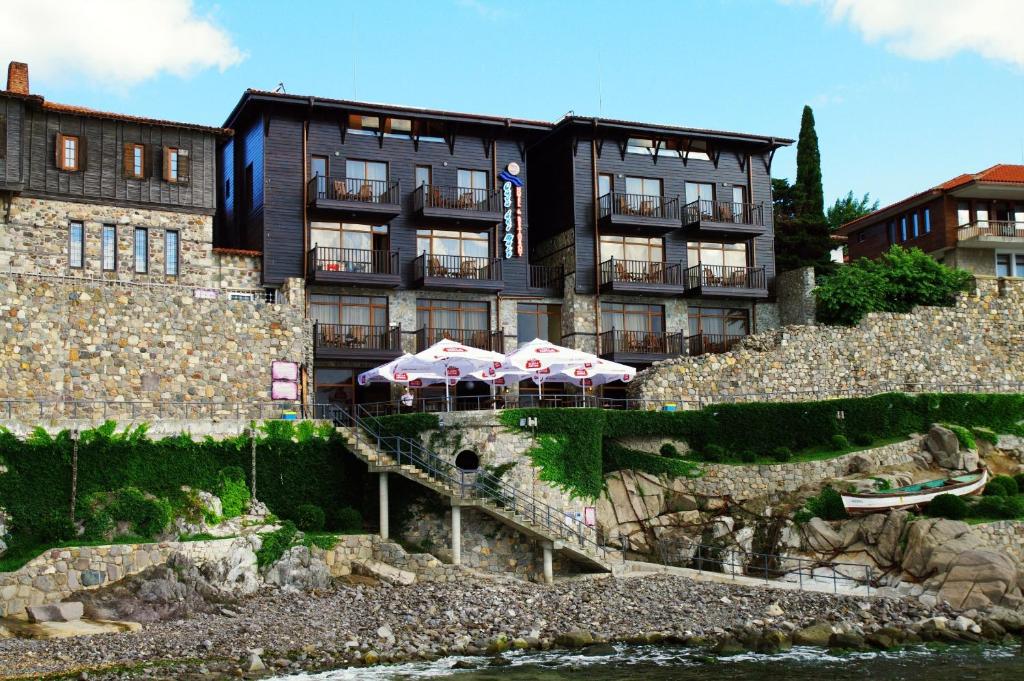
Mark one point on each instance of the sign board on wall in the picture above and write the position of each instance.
(284, 371)
(512, 211)
(284, 390)
(285, 381)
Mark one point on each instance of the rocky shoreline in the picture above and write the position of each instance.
(356, 621)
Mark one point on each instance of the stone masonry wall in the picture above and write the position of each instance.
(974, 343)
(1006, 535)
(66, 339)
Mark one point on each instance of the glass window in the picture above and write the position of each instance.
(699, 149)
(903, 228)
(699, 191)
(981, 215)
(632, 248)
(632, 317)
(423, 176)
(739, 194)
(604, 185)
(1010, 264)
(134, 160)
(539, 320)
(318, 166)
(718, 321)
(141, 250)
(366, 179)
(398, 127)
(707, 253)
(643, 186)
(963, 213)
(452, 314)
(472, 179)
(927, 220)
(76, 248)
(438, 242)
(357, 310)
(171, 253)
(636, 145)
(892, 231)
(916, 227)
(172, 164)
(365, 125)
(69, 155)
(108, 248)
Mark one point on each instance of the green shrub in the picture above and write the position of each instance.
(896, 282)
(669, 450)
(56, 524)
(309, 518)
(1009, 485)
(713, 454)
(995, 488)
(617, 457)
(275, 544)
(782, 454)
(827, 505)
(232, 490)
(839, 441)
(147, 514)
(985, 434)
(348, 519)
(963, 436)
(863, 440)
(947, 506)
(748, 456)
(1019, 479)
(999, 507)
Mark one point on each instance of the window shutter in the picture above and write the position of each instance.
(166, 159)
(183, 165)
(82, 152)
(128, 161)
(59, 151)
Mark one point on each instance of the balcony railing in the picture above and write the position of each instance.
(615, 271)
(639, 205)
(356, 337)
(547, 277)
(353, 189)
(724, 211)
(457, 198)
(456, 267)
(642, 342)
(999, 228)
(475, 338)
(711, 343)
(328, 259)
(719, 276)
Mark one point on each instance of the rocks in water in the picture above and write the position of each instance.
(847, 640)
(598, 649)
(574, 638)
(298, 570)
(944, 447)
(255, 663)
(818, 634)
(56, 612)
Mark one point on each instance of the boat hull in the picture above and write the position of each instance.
(856, 504)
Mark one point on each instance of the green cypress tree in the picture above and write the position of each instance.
(811, 198)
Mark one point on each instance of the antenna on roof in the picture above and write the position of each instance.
(600, 99)
(280, 89)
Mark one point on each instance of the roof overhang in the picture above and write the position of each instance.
(989, 190)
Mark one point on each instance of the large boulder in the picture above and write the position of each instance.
(299, 570)
(980, 578)
(55, 612)
(383, 572)
(236, 573)
(820, 537)
(932, 544)
(881, 535)
(944, 447)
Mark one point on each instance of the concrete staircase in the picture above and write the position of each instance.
(505, 504)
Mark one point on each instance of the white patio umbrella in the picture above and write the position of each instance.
(538, 355)
(404, 370)
(602, 372)
(456, 361)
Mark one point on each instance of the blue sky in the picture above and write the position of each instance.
(897, 108)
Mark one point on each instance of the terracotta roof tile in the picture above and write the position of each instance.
(84, 111)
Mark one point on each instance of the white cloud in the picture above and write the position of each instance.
(114, 43)
(485, 10)
(934, 29)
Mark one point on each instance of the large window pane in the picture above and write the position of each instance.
(141, 250)
(76, 254)
(171, 253)
(109, 248)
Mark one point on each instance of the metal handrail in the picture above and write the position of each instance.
(150, 409)
(467, 267)
(547, 276)
(616, 270)
(640, 342)
(458, 198)
(724, 211)
(354, 189)
(712, 343)
(478, 485)
(639, 205)
(356, 337)
(1003, 228)
(359, 260)
(725, 276)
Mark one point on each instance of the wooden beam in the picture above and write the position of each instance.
(521, 145)
(599, 145)
(575, 144)
(342, 128)
(622, 148)
(741, 159)
(715, 155)
(686, 151)
(487, 147)
(266, 125)
(768, 160)
(657, 148)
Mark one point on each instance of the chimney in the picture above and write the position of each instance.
(17, 77)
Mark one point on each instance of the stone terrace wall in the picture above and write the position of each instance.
(67, 339)
(976, 342)
(1006, 535)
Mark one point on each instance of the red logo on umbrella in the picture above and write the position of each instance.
(497, 365)
(453, 349)
(540, 350)
(499, 381)
(579, 372)
(416, 382)
(588, 382)
(545, 371)
(533, 364)
(401, 376)
(454, 371)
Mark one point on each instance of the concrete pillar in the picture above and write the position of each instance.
(549, 571)
(383, 486)
(456, 534)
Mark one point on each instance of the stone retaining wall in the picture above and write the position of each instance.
(66, 339)
(974, 343)
(1007, 535)
(747, 481)
(59, 573)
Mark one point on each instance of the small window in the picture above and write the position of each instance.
(134, 165)
(363, 125)
(927, 220)
(860, 237)
(903, 228)
(108, 248)
(171, 253)
(398, 127)
(68, 152)
(76, 248)
(604, 185)
(176, 165)
(141, 250)
(423, 176)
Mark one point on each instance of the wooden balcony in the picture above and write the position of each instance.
(723, 221)
(474, 338)
(711, 343)
(642, 277)
(642, 213)
(548, 280)
(458, 205)
(457, 273)
(355, 198)
(353, 266)
(717, 281)
(992, 234)
(372, 344)
(640, 347)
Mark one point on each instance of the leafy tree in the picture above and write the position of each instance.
(801, 232)
(849, 208)
(896, 282)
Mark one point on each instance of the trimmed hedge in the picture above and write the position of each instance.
(617, 458)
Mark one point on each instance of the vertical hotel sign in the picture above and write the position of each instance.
(512, 210)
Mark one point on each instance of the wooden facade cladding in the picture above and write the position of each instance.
(31, 161)
(875, 237)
